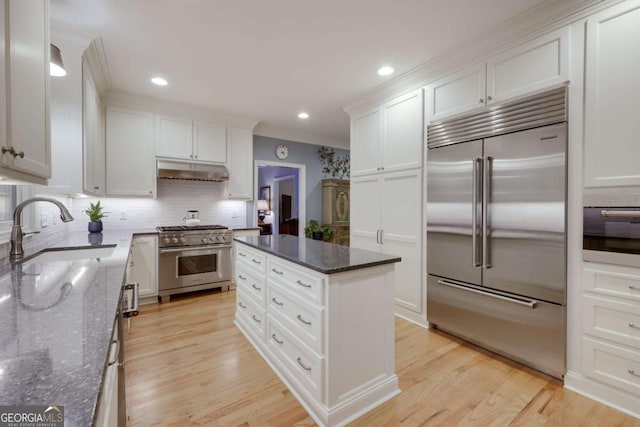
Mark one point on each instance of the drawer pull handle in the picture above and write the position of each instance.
(255, 319)
(276, 301)
(255, 287)
(300, 318)
(634, 326)
(632, 372)
(304, 285)
(256, 261)
(306, 368)
(242, 305)
(242, 277)
(241, 254)
(634, 288)
(276, 271)
(276, 339)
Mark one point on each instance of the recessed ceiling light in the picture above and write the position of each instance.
(303, 116)
(385, 71)
(159, 81)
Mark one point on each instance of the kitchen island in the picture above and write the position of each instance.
(321, 315)
(58, 308)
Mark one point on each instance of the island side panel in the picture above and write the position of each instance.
(361, 338)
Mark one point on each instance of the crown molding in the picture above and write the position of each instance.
(544, 18)
(97, 62)
(163, 106)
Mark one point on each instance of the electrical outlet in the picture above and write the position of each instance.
(44, 220)
(123, 215)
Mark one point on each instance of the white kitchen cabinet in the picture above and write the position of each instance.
(240, 183)
(386, 216)
(530, 67)
(612, 97)
(188, 139)
(143, 265)
(129, 146)
(389, 137)
(329, 337)
(610, 339)
(26, 151)
(457, 93)
(93, 181)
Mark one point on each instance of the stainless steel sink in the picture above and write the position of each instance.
(57, 255)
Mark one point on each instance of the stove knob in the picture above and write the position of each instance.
(182, 239)
(174, 239)
(167, 240)
(204, 240)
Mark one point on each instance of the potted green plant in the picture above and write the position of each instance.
(317, 232)
(94, 211)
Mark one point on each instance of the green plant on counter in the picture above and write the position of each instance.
(95, 212)
(317, 232)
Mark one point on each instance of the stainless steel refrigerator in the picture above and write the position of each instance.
(496, 216)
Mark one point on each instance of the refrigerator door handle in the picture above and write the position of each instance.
(477, 168)
(486, 220)
(525, 302)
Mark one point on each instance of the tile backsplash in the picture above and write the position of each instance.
(175, 197)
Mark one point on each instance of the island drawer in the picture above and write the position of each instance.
(297, 280)
(300, 362)
(252, 284)
(250, 315)
(613, 365)
(252, 258)
(613, 320)
(304, 319)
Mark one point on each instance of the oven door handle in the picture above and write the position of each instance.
(193, 248)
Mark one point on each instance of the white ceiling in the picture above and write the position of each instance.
(270, 60)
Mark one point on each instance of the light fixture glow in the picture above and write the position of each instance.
(56, 67)
(385, 71)
(159, 81)
(303, 116)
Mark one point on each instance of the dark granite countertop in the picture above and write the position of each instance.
(57, 312)
(327, 258)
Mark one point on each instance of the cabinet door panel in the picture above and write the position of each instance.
(240, 184)
(458, 93)
(130, 160)
(210, 142)
(401, 211)
(533, 66)
(174, 137)
(365, 210)
(29, 86)
(612, 97)
(402, 139)
(365, 143)
(144, 264)
(94, 149)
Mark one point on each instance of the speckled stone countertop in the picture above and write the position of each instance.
(57, 312)
(327, 258)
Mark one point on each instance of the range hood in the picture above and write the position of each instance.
(176, 169)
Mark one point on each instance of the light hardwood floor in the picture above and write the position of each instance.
(187, 364)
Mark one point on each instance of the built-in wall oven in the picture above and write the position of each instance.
(612, 235)
(193, 259)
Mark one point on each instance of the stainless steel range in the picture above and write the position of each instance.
(193, 259)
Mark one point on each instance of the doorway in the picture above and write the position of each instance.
(282, 186)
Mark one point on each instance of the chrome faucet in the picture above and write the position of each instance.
(16, 230)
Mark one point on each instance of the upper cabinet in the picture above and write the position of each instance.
(131, 169)
(187, 139)
(533, 66)
(388, 138)
(93, 181)
(612, 97)
(24, 94)
(240, 184)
